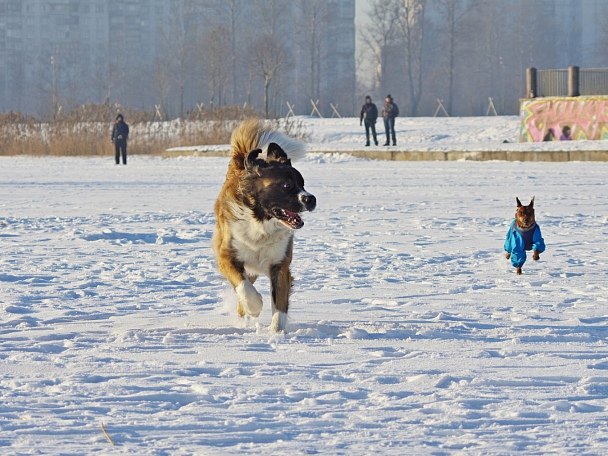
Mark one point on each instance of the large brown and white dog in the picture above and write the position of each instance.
(256, 215)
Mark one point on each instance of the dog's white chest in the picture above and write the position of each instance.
(260, 245)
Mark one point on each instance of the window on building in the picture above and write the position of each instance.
(13, 6)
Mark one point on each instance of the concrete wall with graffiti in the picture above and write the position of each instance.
(562, 118)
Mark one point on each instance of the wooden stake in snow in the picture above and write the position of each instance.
(335, 111)
(315, 108)
(290, 112)
(103, 428)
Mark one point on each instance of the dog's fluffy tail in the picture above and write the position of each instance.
(254, 134)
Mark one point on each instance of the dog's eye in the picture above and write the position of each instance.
(287, 185)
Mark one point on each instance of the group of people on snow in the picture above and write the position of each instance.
(369, 115)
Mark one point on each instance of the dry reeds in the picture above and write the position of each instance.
(87, 130)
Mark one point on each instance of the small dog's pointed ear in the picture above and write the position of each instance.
(276, 154)
(532, 202)
(252, 163)
(518, 202)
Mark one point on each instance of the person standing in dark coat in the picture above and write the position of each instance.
(120, 134)
(390, 110)
(369, 114)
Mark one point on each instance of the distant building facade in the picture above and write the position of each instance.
(58, 51)
(580, 19)
(69, 52)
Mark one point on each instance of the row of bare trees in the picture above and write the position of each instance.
(463, 51)
(212, 52)
(265, 52)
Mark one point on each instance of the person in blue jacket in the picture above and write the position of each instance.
(524, 234)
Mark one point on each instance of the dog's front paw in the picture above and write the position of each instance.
(536, 255)
(518, 271)
(249, 298)
(508, 256)
(279, 321)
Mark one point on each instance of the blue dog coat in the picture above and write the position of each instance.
(518, 241)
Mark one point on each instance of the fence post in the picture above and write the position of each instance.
(531, 91)
(573, 81)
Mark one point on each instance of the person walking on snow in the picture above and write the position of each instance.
(369, 114)
(390, 110)
(120, 134)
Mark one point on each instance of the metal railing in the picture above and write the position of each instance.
(593, 81)
(551, 83)
(572, 82)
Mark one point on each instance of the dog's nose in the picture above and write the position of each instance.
(309, 201)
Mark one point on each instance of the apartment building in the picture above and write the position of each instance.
(70, 52)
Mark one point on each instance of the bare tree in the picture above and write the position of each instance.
(179, 42)
(272, 17)
(228, 14)
(163, 86)
(216, 45)
(77, 69)
(381, 33)
(411, 24)
(106, 77)
(313, 28)
(455, 11)
(267, 57)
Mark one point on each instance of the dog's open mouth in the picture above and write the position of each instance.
(290, 219)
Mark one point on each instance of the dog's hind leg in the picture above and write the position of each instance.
(281, 281)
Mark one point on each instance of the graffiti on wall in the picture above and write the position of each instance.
(556, 118)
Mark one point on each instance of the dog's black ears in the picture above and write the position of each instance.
(252, 162)
(532, 202)
(276, 154)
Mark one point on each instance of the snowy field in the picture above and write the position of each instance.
(420, 134)
(409, 331)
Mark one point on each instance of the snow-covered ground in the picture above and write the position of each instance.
(409, 331)
(421, 134)
(417, 133)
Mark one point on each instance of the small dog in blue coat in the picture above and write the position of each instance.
(524, 234)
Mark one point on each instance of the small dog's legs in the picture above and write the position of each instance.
(518, 270)
(536, 255)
